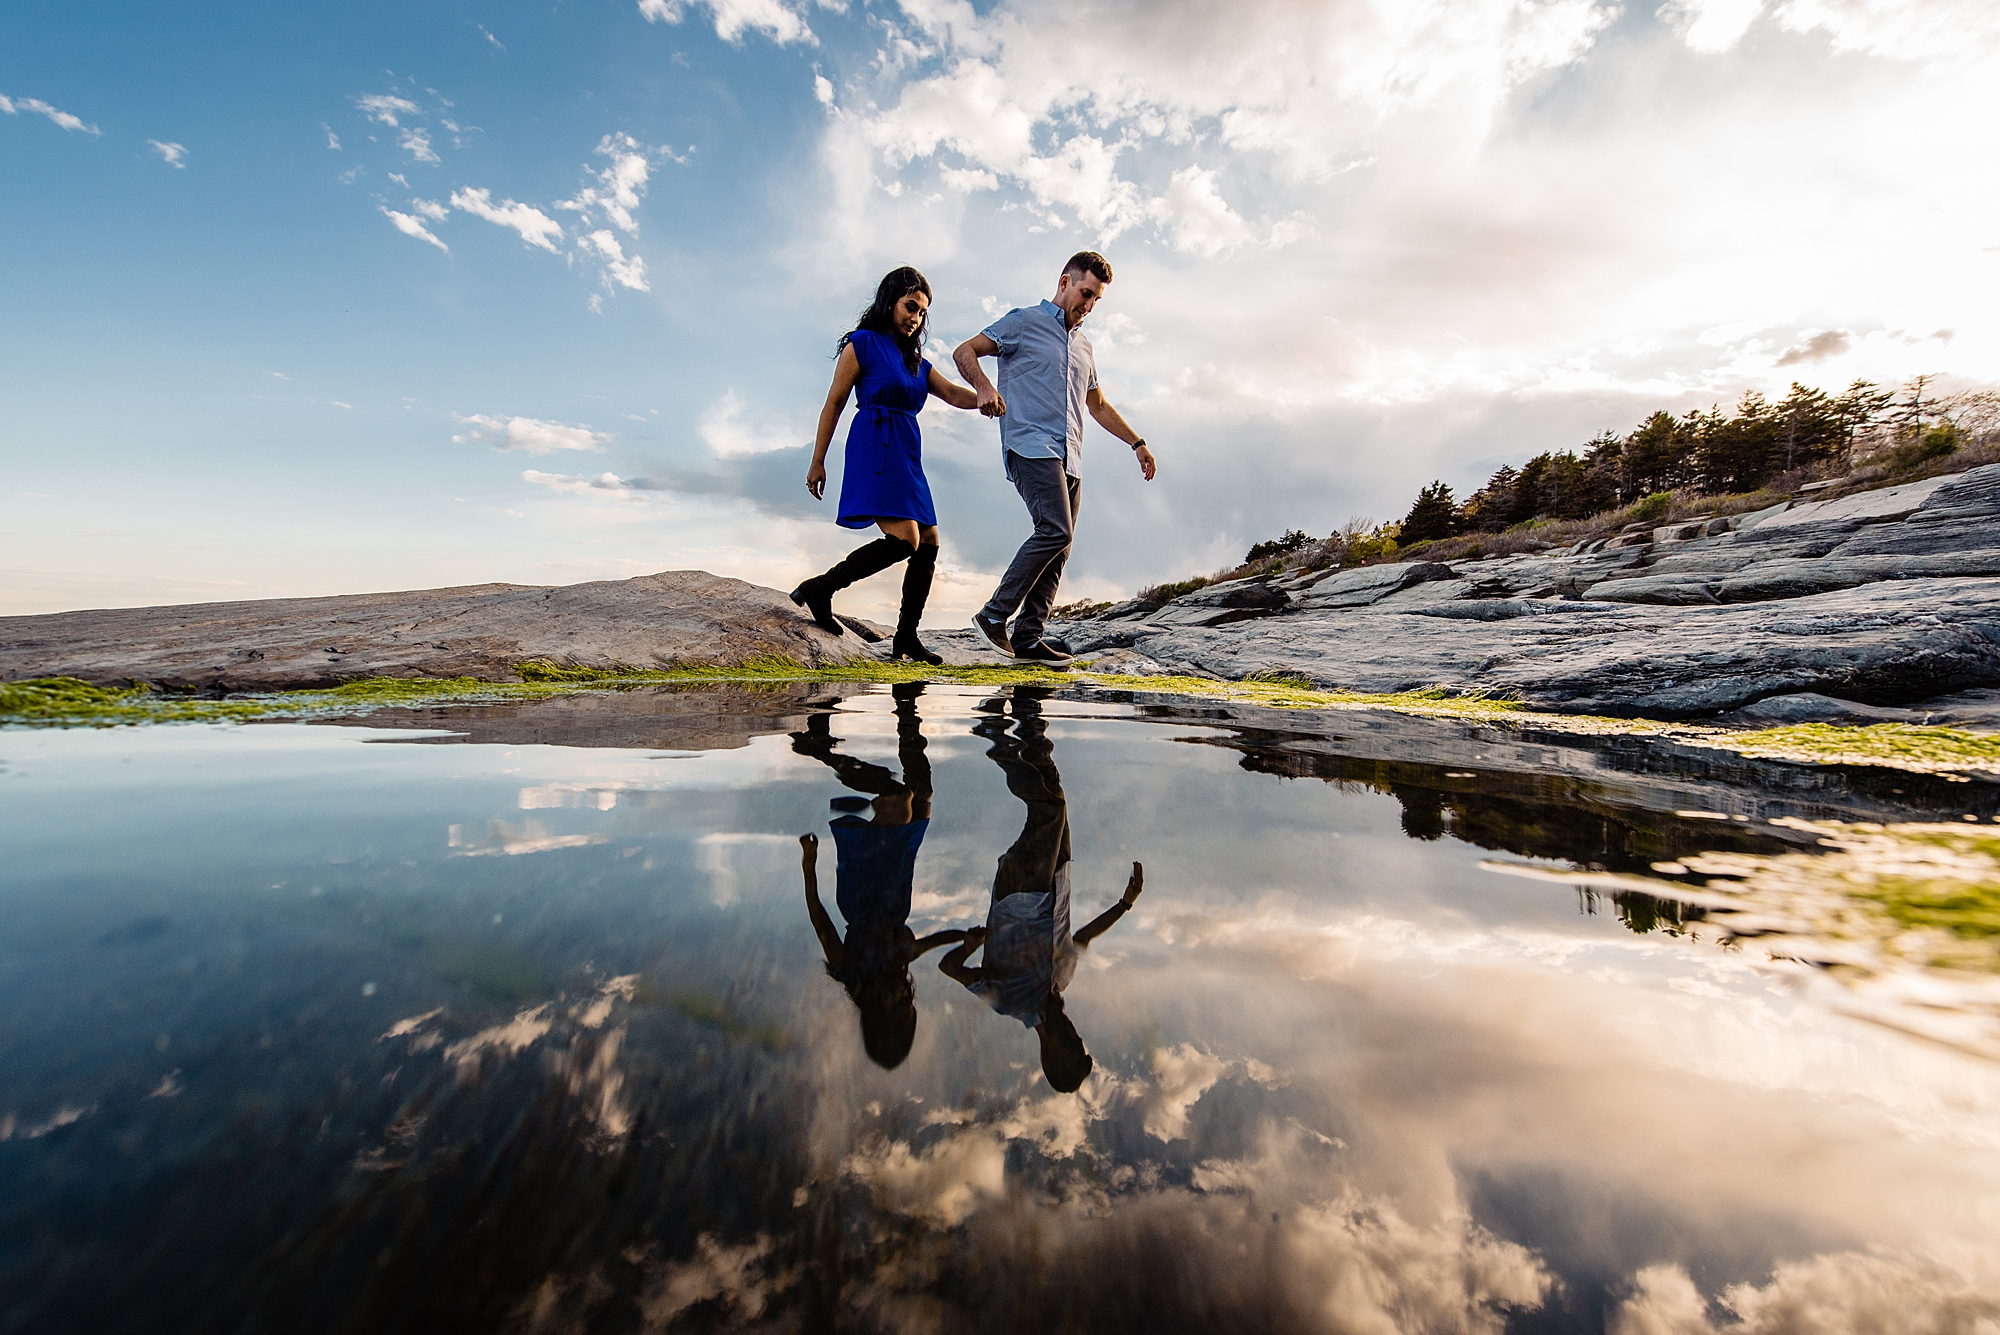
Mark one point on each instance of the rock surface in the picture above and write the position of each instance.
(1862, 607)
(481, 630)
(1883, 599)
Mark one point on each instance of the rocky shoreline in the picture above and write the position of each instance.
(1878, 606)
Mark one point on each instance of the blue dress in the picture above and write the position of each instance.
(884, 477)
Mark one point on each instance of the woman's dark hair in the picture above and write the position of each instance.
(880, 317)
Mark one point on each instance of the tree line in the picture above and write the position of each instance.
(1805, 432)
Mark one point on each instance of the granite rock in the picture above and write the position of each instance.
(482, 630)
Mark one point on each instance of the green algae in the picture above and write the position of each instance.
(69, 702)
(1900, 745)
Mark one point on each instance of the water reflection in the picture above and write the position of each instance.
(876, 863)
(278, 1055)
(1030, 954)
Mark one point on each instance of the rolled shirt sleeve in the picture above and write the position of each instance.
(1046, 371)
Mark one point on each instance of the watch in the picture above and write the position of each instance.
(1139, 442)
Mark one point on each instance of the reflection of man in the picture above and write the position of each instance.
(1048, 380)
(1030, 952)
(877, 862)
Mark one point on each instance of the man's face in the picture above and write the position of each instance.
(910, 308)
(1077, 294)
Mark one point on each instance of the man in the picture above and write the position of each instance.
(1048, 378)
(1031, 955)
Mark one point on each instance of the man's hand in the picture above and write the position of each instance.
(990, 402)
(1133, 886)
(1146, 464)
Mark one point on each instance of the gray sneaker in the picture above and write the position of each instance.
(1042, 652)
(994, 631)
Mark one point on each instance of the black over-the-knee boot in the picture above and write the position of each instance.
(916, 591)
(816, 594)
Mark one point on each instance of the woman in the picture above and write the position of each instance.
(884, 480)
(877, 864)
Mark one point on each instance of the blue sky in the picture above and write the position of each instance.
(326, 299)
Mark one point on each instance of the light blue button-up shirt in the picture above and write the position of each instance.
(1046, 370)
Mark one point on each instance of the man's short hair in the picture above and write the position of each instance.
(1090, 262)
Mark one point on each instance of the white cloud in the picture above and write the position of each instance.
(728, 431)
(430, 208)
(1935, 32)
(15, 106)
(529, 434)
(1195, 215)
(733, 18)
(385, 108)
(1711, 25)
(619, 186)
(171, 154)
(490, 37)
(617, 269)
(418, 142)
(332, 139)
(823, 90)
(411, 226)
(536, 228)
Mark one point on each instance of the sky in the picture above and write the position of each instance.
(301, 300)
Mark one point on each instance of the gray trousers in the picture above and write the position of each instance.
(1052, 497)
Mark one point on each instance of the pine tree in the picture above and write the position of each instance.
(1433, 516)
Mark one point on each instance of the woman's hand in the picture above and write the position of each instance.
(816, 484)
(1134, 886)
(809, 851)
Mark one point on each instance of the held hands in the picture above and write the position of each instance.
(816, 484)
(991, 404)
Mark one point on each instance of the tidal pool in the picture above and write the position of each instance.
(523, 1017)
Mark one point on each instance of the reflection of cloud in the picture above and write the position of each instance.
(1182, 1075)
(736, 1277)
(1845, 1293)
(598, 1009)
(10, 1126)
(502, 839)
(506, 1039)
(942, 1184)
(715, 855)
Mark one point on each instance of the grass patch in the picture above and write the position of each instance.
(1902, 745)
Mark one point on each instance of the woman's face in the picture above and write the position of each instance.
(910, 310)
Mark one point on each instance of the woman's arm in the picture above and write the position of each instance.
(926, 944)
(829, 938)
(957, 395)
(846, 370)
(953, 964)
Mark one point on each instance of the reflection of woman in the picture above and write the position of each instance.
(877, 861)
(1031, 954)
(884, 483)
